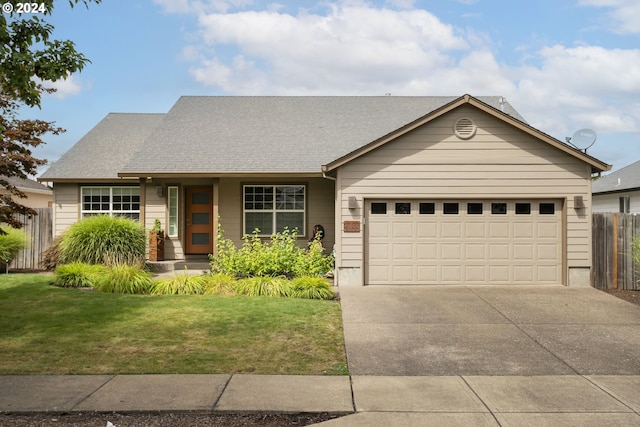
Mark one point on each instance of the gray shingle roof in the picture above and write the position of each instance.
(217, 134)
(627, 178)
(27, 184)
(105, 149)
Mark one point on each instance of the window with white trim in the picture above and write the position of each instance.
(112, 201)
(172, 201)
(271, 208)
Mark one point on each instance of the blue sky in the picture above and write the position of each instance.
(564, 65)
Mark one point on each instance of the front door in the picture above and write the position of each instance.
(199, 220)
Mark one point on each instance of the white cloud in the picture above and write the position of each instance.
(625, 14)
(64, 87)
(349, 49)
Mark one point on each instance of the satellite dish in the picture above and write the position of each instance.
(583, 139)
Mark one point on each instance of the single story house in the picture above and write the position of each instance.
(38, 195)
(619, 191)
(409, 190)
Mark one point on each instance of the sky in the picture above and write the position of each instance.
(564, 65)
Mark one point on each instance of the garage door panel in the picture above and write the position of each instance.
(522, 230)
(548, 231)
(427, 252)
(403, 230)
(451, 251)
(499, 274)
(475, 274)
(499, 230)
(475, 251)
(450, 229)
(411, 246)
(402, 274)
(379, 252)
(427, 274)
(498, 251)
(402, 251)
(523, 252)
(427, 230)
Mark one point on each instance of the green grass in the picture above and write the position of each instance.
(52, 330)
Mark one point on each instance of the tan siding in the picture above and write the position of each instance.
(499, 161)
(66, 208)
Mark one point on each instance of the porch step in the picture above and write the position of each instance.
(159, 267)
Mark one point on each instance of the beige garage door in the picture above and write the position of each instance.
(463, 242)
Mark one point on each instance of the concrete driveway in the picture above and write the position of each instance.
(489, 330)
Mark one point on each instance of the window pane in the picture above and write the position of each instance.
(547, 208)
(291, 220)
(200, 198)
(450, 208)
(403, 208)
(427, 208)
(523, 208)
(474, 208)
(173, 211)
(378, 208)
(499, 208)
(199, 218)
(200, 238)
(263, 221)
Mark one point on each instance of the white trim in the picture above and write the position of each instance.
(111, 212)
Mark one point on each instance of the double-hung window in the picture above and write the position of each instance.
(271, 208)
(112, 201)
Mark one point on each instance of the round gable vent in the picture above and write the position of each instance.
(464, 128)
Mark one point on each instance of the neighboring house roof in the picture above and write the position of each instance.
(105, 149)
(218, 135)
(28, 185)
(625, 179)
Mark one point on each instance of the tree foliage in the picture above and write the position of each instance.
(29, 58)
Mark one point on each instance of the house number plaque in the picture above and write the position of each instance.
(351, 226)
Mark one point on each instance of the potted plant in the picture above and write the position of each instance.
(156, 242)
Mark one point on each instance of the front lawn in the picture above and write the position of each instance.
(51, 330)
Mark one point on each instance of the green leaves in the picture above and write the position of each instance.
(281, 256)
(102, 239)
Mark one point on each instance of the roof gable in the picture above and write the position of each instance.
(596, 165)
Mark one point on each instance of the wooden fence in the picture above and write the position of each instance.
(613, 266)
(39, 231)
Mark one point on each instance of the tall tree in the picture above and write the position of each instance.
(29, 58)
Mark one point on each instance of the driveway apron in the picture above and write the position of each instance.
(489, 330)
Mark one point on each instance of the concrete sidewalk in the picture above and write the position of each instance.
(374, 400)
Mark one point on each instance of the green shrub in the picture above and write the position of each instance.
(263, 286)
(124, 279)
(12, 242)
(219, 284)
(635, 246)
(311, 288)
(278, 257)
(78, 275)
(103, 239)
(180, 284)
